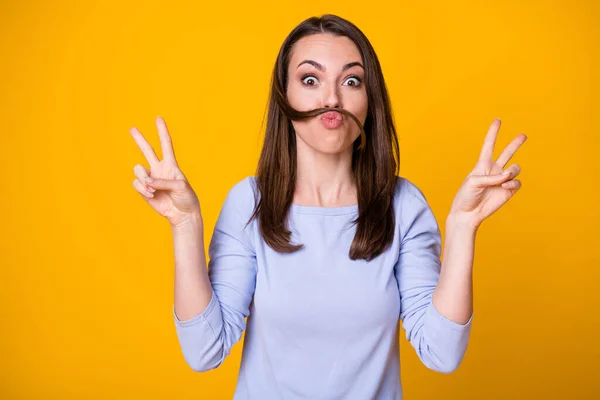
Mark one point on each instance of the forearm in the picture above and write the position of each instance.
(193, 290)
(453, 295)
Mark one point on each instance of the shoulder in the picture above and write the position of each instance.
(412, 210)
(407, 192)
(244, 188)
(242, 196)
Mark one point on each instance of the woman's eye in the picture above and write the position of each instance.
(353, 81)
(310, 80)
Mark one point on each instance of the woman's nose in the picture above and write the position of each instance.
(331, 97)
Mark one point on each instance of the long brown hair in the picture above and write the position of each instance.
(374, 165)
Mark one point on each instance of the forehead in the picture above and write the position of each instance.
(326, 49)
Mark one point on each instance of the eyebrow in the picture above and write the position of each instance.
(322, 68)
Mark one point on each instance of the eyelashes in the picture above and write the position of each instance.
(310, 77)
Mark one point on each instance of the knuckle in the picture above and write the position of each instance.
(139, 170)
(138, 186)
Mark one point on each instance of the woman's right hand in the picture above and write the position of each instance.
(169, 192)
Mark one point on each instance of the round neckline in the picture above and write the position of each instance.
(317, 210)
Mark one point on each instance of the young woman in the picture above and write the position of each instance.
(326, 249)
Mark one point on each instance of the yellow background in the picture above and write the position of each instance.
(87, 267)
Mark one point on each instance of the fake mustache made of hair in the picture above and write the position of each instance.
(296, 115)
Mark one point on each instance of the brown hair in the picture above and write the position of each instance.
(374, 165)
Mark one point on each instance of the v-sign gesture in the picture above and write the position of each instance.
(168, 191)
(488, 186)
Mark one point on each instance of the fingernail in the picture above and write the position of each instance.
(506, 173)
(148, 179)
(151, 190)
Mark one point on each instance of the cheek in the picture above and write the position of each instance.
(359, 107)
(300, 99)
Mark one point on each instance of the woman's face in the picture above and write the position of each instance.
(326, 71)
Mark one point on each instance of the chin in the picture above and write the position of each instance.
(332, 147)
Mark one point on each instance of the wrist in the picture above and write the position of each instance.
(192, 221)
(462, 221)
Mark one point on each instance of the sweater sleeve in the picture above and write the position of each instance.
(207, 338)
(439, 342)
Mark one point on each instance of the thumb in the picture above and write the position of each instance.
(165, 184)
(489, 180)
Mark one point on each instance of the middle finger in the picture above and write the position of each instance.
(510, 150)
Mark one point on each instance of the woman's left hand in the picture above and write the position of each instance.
(486, 188)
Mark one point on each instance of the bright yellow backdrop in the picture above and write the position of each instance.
(87, 267)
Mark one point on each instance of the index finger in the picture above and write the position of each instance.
(144, 146)
(487, 150)
(165, 140)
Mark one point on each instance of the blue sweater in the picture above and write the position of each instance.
(321, 326)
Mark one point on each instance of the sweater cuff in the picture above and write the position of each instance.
(442, 323)
(210, 314)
